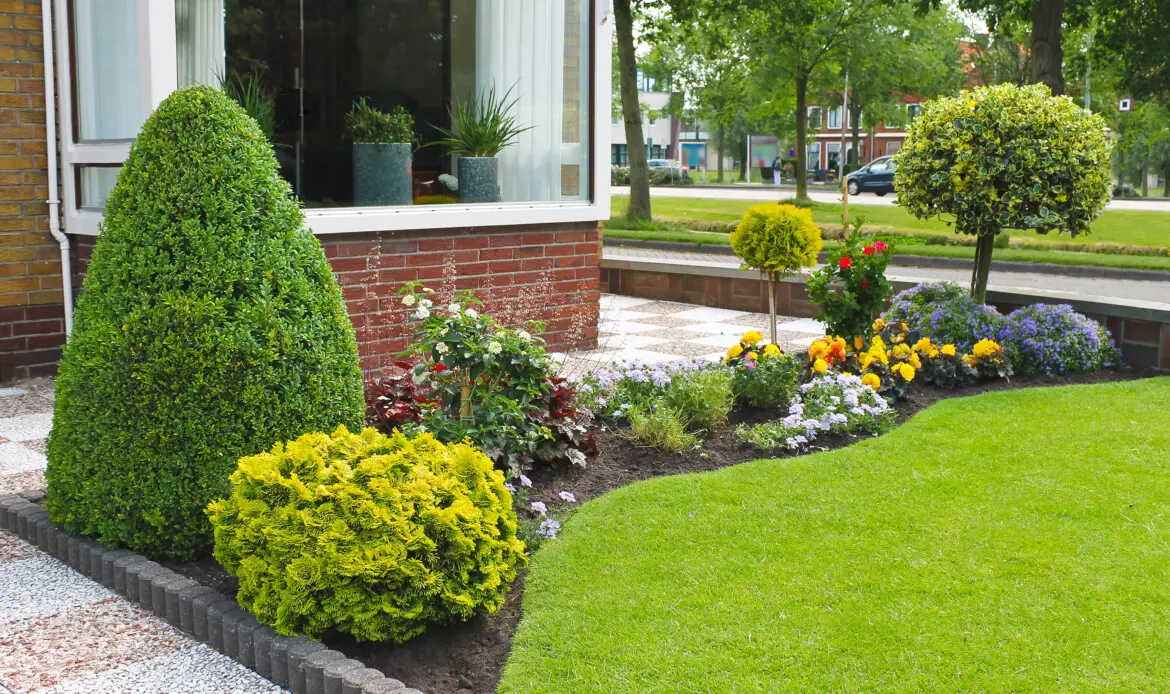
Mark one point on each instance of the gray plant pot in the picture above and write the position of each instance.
(479, 179)
(382, 174)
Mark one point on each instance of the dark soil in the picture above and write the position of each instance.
(468, 658)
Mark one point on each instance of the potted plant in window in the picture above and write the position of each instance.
(382, 144)
(480, 129)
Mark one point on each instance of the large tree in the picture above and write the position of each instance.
(1137, 33)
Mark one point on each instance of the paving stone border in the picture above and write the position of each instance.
(300, 664)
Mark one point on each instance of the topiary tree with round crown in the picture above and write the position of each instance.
(209, 327)
(1005, 157)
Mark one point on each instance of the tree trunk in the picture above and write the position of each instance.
(721, 134)
(1047, 57)
(801, 134)
(855, 124)
(983, 249)
(1166, 182)
(632, 112)
(772, 308)
(743, 170)
(1146, 177)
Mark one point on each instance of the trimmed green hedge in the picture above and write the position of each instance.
(210, 327)
(369, 535)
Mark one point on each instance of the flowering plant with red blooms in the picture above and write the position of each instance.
(852, 289)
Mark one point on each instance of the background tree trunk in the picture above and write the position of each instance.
(1146, 177)
(632, 111)
(854, 157)
(722, 132)
(1047, 57)
(801, 134)
(1166, 183)
(743, 171)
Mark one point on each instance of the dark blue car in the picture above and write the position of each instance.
(875, 177)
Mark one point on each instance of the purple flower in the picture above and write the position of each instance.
(524, 481)
(568, 496)
(751, 366)
(540, 508)
(549, 528)
(510, 487)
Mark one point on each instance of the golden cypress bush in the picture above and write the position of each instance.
(366, 534)
(777, 240)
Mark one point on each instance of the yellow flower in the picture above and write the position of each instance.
(985, 348)
(878, 342)
(872, 381)
(734, 352)
(858, 342)
(924, 345)
(933, 353)
(752, 356)
(771, 351)
(865, 360)
(751, 337)
(902, 350)
(915, 361)
(906, 372)
(820, 366)
(818, 349)
(948, 350)
(878, 325)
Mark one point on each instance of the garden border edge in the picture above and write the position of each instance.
(299, 664)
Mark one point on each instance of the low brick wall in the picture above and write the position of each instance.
(1141, 329)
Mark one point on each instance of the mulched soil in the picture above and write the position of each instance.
(468, 658)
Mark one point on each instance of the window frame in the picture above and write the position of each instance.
(158, 60)
(829, 120)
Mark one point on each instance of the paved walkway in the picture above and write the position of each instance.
(1141, 290)
(61, 633)
(820, 194)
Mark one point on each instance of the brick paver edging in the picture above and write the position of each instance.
(300, 664)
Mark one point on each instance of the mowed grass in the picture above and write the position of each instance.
(1010, 542)
(1133, 228)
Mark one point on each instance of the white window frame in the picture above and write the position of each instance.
(834, 111)
(159, 63)
(815, 124)
(809, 149)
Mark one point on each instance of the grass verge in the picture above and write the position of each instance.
(986, 545)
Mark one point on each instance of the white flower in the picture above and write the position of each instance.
(540, 508)
(449, 181)
(471, 313)
(524, 335)
(454, 309)
(408, 300)
(428, 290)
(524, 481)
(442, 348)
(568, 496)
(494, 348)
(421, 313)
(427, 302)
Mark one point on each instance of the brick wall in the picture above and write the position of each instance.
(31, 309)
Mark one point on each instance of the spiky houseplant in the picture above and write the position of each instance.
(209, 328)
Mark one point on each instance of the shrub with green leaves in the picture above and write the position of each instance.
(769, 382)
(660, 427)
(1005, 157)
(210, 326)
(369, 535)
(367, 124)
(703, 398)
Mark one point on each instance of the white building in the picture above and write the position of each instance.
(659, 129)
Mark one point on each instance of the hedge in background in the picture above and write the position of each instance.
(370, 535)
(210, 326)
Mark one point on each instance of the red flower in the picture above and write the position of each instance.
(879, 246)
(844, 263)
(439, 368)
(868, 250)
(864, 284)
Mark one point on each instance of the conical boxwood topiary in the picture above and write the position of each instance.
(210, 327)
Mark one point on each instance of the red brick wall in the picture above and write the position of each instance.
(547, 273)
(31, 310)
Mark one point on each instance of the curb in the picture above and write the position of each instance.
(300, 664)
(1083, 271)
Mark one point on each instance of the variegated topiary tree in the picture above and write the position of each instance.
(1005, 157)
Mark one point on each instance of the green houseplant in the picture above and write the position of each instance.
(382, 153)
(210, 327)
(1005, 157)
(481, 129)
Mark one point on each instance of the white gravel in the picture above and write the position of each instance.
(198, 670)
(41, 585)
(16, 458)
(27, 427)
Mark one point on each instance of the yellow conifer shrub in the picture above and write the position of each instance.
(370, 535)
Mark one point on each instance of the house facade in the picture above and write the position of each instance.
(79, 77)
(660, 130)
(827, 122)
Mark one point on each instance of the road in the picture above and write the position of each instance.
(821, 195)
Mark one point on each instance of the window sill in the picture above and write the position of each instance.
(353, 220)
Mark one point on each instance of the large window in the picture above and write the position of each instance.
(315, 58)
(835, 118)
(813, 158)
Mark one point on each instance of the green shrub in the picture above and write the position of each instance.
(367, 124)
(702, 398)
(771, 382)
(369, 535)
(777, 240)
(659, 427)
(1005, 157)
(210, 327)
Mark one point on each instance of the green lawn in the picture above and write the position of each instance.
(1133, 228)
(1010, 542)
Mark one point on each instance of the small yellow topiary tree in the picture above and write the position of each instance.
(777, 240)
(369, 535)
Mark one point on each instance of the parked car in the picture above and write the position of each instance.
(875, 177)
(667, 164)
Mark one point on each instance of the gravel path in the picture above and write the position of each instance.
(61, 633)
(1142, 290)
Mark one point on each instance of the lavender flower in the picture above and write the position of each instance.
(568, 496)
(540, 508)
(549, 528)
(524, 481)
